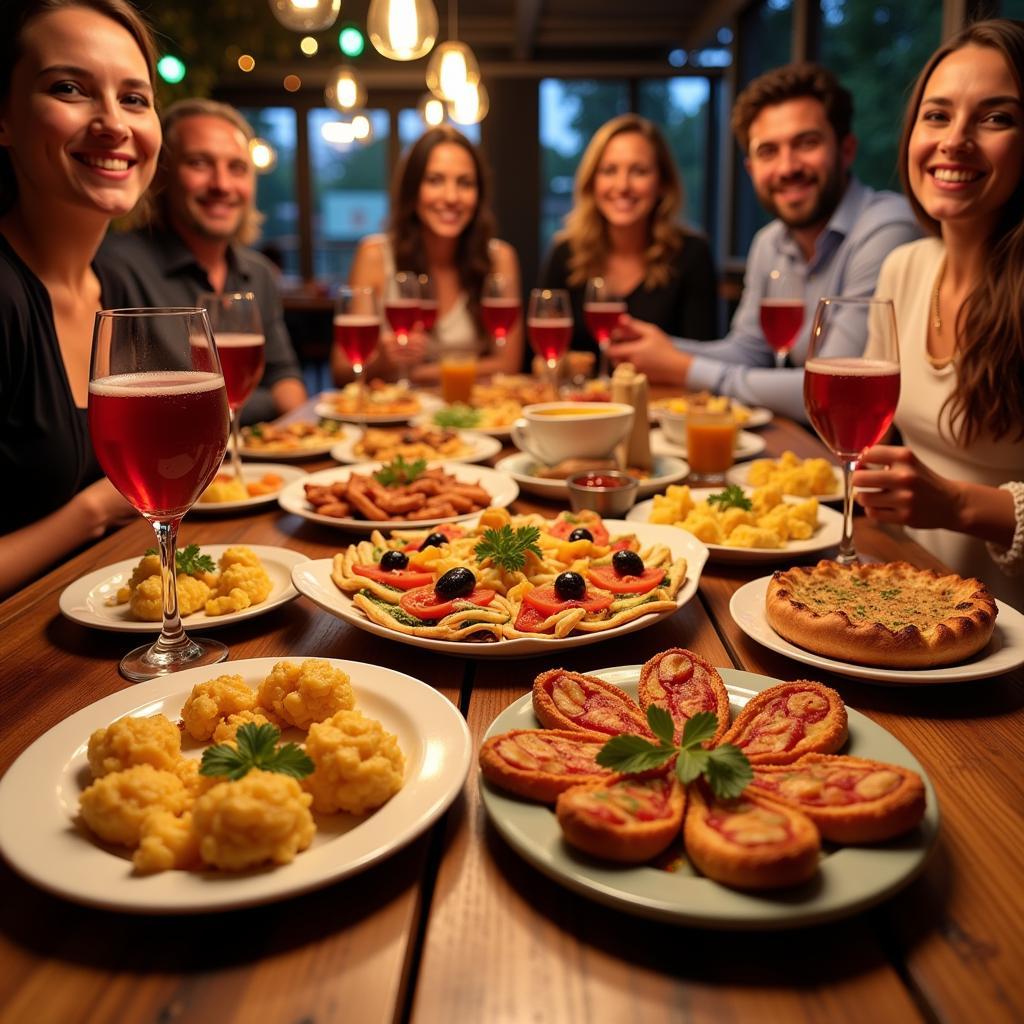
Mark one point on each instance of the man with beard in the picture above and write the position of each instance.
(199, 221)
(830, 236)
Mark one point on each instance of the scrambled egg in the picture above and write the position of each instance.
(116, 806)
(130, 741)
(166, 841)
(793, 475)
(306, 693)
(211, 702)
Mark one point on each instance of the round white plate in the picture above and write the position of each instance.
(501, 433)
(747, 444)
(478, 447)
(740, 475)
(1005, 651)
(827, 535)
(313, 580)
(521, 467)
(319, 448)
(85, 600)
(252, 474)
(500, 486)
(41, 839)
(849, 879)
(427, 403)
(759, 416)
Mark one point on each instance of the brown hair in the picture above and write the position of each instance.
(11, 32)
(989, 392)
(791, 82)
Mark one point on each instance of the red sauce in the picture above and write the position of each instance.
(598, 480)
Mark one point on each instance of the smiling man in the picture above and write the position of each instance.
(830, 236)
(202, 216)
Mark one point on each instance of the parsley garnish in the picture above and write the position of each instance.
(457, 415)
(257, 748)
(725, 768)
(189, 561)
(507, 548)
(398, 471)
(731, 497)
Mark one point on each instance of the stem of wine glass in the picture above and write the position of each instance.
(172, 641)
(780, 360)
(552, 366)
(847, 554)
(357, 379)
(403, 366)
(602, 358)
(499, 340)
(236, 444)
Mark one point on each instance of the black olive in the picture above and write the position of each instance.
(394, 560)
(627, 563)
(570, 586)
(435, 540)
(581, 533)
(457, 582)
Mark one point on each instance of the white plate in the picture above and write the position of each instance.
(827, 535)
(427, 403)
(252, 474)
(500, 486)
(313, 580)
(1005, 651)
(747, 444)
(321, 448)
(759, 416)
(740, 475)
(501, 433)
(85, 600)
(39, 799)
(849, 879)
(521, 467)
(478, 447)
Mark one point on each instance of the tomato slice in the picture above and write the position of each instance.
(546, 600)
(605, 577)
(629, 543)
(450, 530)
(529, 619)
(403, 579)
(425, 604)
(569, 521)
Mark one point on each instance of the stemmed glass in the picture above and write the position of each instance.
(428, 303)
(158, 417)
(402, 308)
(241, 345)
(851, 401)
(549, 322)
(499, 308)
(602, 307)
(782, 312)
(357, 330)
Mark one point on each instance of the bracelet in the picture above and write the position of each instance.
(1011, 560)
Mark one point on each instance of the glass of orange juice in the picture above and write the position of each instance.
(710, 444)
(458, 372)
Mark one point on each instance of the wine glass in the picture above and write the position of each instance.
(402, 309)
(357, 330)
(851, 401)
(602, 307)
(782, 312)
(241, 345)
(428, 303)
(499, 307)
(549, 321)
(158, 417)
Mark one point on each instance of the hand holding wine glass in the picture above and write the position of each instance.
(499, 308)
(602, 307)
(549, 323)
(357, 329)
(782, 312)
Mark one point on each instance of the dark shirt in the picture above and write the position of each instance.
(159, 269)
(687, 304)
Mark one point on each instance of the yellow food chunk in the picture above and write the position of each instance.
(240, 555)
(155, 740)
(166, 841)
(236, 601)
(115, 806)
(253, 579)
(147, 600)
(746, 536)
(704, 528)
(225, 488)
(305, 693)
(187, 769)
(149, 565)
(211, 702)
(228, 729)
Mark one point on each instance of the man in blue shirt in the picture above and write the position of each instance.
(830, 236)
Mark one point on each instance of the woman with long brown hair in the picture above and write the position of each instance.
(959, 298)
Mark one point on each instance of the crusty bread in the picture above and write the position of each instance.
(683, 683)
(570, 700)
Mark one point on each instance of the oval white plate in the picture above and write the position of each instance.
(39, 795)
(759, 417)
(313, 580)
(501, 433)
(85, 600)
(521, 467)
(1005, 651)
(320, 447)
(849, 878)
(477, 448)
(827, 535)
(740, 475)
(747, 444)
(252, 474)
(427, 403)
(501, 487)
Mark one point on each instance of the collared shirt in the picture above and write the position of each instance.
(864, 228)
(160, 269)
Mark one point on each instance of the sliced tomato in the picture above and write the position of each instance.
(630, 543)
(403, 579)
(425, 604)
(605, 577)
(529, 619)
(569, 521)
(546, 600)
(450, 530)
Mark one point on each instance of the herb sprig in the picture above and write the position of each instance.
(507, 548)
(257, 748)
(189, 560)
(457, 415)
(731, 497)
(398, 471)
(725, 768)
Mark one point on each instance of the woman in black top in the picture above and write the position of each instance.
(79, 138)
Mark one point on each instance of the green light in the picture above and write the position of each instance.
(170, 69)
(351, 41)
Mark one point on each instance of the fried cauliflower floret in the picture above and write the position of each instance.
(359, 766)
(187, 769)
(228, 729)
(129, 741)
(147, 598)
(305, 693)
(261, 817)
(239, 555)
(253, 579)
(167, 841)
(211, 702)
(116, 806)
(236, 601)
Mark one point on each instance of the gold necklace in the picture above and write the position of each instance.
(938, 364)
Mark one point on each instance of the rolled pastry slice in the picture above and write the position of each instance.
(627, 819)
(749, 843)
(683, 683)
(849, 799)
(541, 763)
(569, 700)
(787, 721)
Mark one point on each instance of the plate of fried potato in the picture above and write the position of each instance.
(382, 444)
(801, 478)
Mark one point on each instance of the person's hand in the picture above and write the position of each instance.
(102, 506)
(908, 492)
(404, 355)
(650, 350)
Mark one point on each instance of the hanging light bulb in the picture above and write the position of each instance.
(337, 133)
(344, 89)
(470, 106)
(452, 65)
(263, 155)
(431, 110)
(306, 15)
(362, 128)
(402, 29)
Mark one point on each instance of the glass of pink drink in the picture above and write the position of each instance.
(782, 313)
(158, 417)
(357, 328)
(428, 303)
(850, 400)
(549, 323)
(499, 307)
(402, 309)
(602, 307)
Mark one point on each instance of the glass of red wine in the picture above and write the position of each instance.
(602, 307)
(549, 323)
(850, 400)
(241, 345)
(499, 307)
(428, 303)
(402, 309)
(357, 329)
(782, 312)
(158, 417)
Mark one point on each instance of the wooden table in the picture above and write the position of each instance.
(456, 927)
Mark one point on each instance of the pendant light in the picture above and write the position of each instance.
(452, 64)
(471, 104)
(344, 89)
(402, 29)
(263, 155)
(431, 109)
(306, 15)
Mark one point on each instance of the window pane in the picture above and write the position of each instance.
(766, 38)
(1012, 9)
